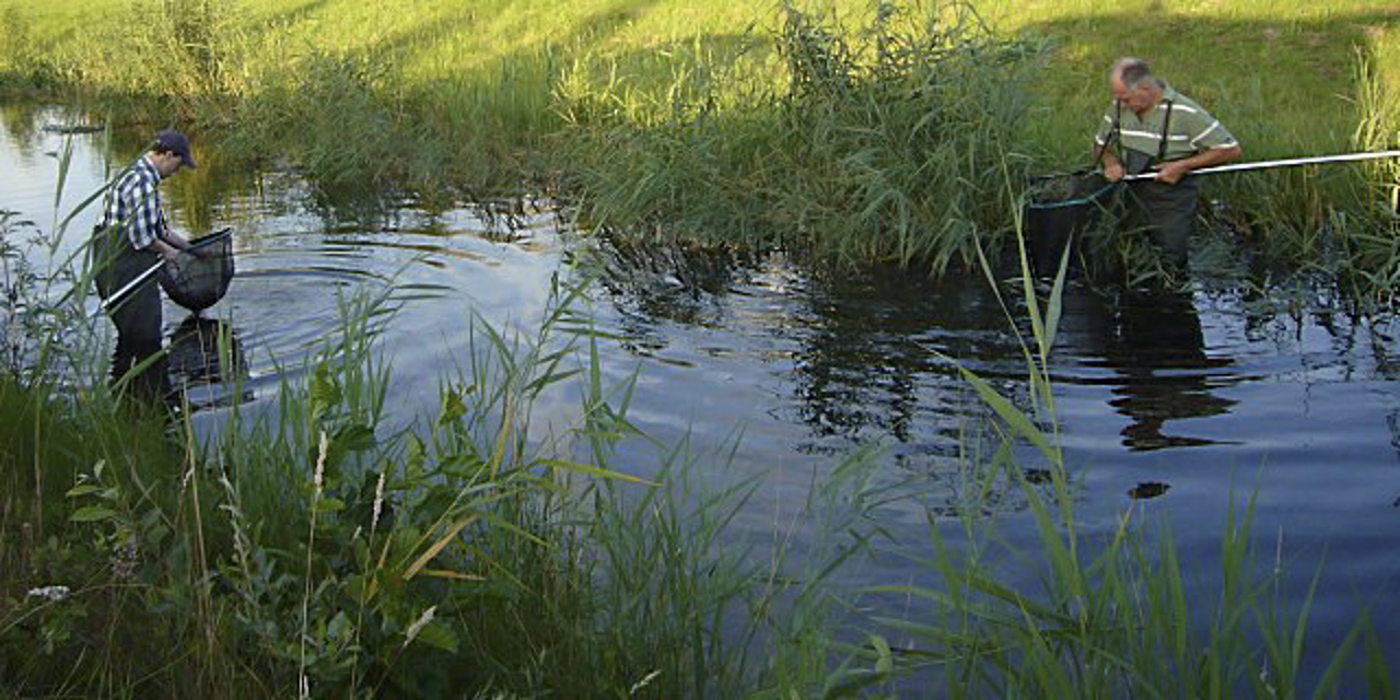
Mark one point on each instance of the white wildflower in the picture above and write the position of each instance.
(378, 502)
(321, 461)
(51, 593)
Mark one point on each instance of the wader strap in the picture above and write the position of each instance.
(1166, 133)
(1115, 135)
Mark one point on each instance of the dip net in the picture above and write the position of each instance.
(1058, 209)
(198, 281)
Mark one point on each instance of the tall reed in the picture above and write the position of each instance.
(879, 146)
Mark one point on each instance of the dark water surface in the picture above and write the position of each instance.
(1188, 402)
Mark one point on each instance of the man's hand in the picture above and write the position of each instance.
(1113, 172)
(164, 250)
(1171, 172)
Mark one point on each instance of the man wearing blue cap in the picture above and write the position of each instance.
(131, 237)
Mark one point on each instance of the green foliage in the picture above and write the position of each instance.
(882, 144)
(865, 131)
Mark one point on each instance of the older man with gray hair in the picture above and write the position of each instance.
(1151, 127)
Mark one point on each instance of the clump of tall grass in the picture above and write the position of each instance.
(1370, 230)
(885, 143)
(1334, 224)
(23, 64)
(173, 50)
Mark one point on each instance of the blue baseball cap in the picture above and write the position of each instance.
(175, 142)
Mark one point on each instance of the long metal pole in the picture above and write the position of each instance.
(119, 296)
(1287, 162)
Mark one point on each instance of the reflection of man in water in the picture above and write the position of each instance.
(138, 237)
(1159, 352)
(1151, 126)
(195, 351)
(206, 363)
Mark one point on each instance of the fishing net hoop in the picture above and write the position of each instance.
(198, 281)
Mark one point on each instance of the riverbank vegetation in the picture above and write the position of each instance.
(860, 131)
(316, 550)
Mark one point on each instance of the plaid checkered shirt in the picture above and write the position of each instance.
(134, 204)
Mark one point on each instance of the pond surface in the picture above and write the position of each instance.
(1186, 402)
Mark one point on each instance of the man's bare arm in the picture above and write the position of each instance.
(1171, 172)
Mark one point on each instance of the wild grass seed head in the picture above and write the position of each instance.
(325, 449)
(378, 502)
(418, 625)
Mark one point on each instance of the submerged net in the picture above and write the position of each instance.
(198, 281)
(1058, 209)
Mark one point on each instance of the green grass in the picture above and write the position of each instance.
(1280, 73)
(457, 101)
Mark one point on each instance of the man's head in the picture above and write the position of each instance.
(1133, 84)
(171, 150)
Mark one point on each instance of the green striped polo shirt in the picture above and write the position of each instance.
(1192, 128)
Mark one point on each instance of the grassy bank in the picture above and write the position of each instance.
(861, 131)
(315, 551)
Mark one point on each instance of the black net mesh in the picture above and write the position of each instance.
(1058, 209)
(1083, 190)
(198, 280)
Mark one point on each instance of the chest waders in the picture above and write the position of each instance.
(138, 317)
(1167, 212)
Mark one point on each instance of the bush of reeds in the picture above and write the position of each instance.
(892, 142)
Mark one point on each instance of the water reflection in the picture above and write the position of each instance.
(206, 363)
(873, 363)
(21, 124)
(1154, 344)
(1393, 422)
(681, 283)
(857, 369)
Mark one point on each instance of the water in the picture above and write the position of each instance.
(1189, 402)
